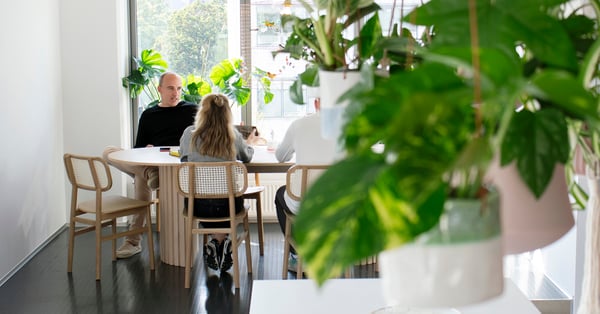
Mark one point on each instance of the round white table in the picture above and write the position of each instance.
(172, 241)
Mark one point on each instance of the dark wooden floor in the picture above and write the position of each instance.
(127, 286)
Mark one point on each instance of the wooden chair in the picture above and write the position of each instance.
(297, 182)
(206, 180)
(93, 174)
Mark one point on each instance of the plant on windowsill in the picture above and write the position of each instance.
(228, 77)
(443, 119)
(144, 76)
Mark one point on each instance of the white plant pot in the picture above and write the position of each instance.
(529, 223)
(458, 262)
(334, 84)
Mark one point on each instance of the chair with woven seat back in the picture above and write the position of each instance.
(213, 180)
(298, 180)
(93, 174)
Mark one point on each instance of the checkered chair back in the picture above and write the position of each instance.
(212, 179)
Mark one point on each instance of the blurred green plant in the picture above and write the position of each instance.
(510, 89)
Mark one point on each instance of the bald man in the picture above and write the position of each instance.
(161, 125)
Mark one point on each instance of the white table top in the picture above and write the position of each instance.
(152, 156)
(149, 156)
(360, 296)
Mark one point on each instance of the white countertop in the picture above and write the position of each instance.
(360, 296)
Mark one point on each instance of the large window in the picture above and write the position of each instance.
(194, 35)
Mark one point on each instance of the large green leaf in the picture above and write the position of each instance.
(543, 35)
(227, 76)
(310, 77)
(224, 71)
(195, 87)
(135, 82)
(537, 141)
(566, 92)
(296, 92)
(143, 77)
(370, 35)
(500, 25)
(151, 63)
(242, 95)
(337, 9)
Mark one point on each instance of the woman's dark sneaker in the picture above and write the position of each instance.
(226, 260)
(210, 254)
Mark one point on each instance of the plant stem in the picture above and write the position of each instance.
(476, 66)
(324, 44)
(312, 45)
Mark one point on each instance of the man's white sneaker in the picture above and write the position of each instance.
(128, 250)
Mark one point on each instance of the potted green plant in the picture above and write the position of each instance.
(442, 118)
(335, 41)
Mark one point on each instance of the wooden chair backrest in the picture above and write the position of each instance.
(88, 172)
(300, 177)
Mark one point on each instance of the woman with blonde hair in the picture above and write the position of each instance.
(213, 138)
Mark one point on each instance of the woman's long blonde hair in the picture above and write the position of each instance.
(214, 128)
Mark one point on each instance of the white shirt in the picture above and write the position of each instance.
(303, 137)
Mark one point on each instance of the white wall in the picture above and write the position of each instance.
(94, 56)
(31, 172)
(62, 61)
(560, 262)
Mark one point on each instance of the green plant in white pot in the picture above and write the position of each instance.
(324, 40)
(442, 120)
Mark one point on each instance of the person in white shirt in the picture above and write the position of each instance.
(302, 138)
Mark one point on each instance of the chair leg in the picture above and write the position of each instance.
(156, 202)
(248, 249)
(286, 249)
(114, 240)
(236, 264)
(157, 215)
(98, 247)
(150, 238)
(298, 268)
(350, 269)
(259, 222)
(188, 253)
(71, 246)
